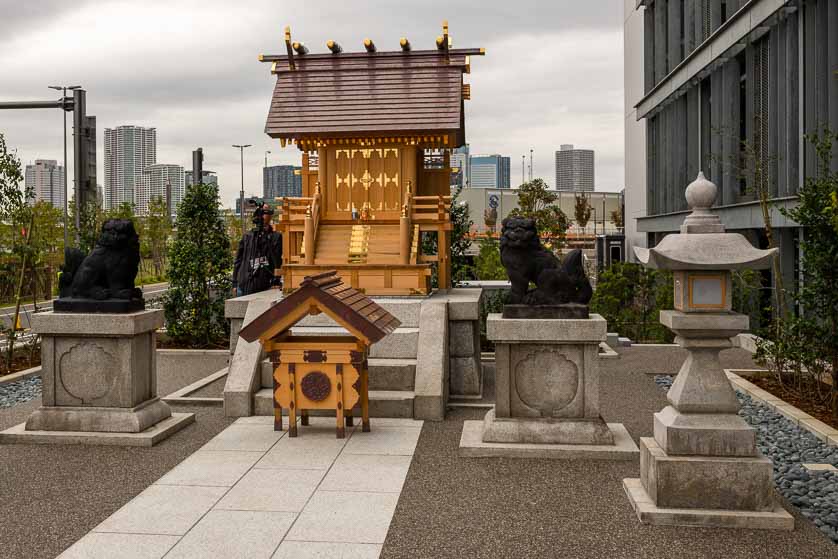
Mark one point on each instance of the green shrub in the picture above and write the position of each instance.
(199, 272)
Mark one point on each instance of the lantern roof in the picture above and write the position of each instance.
(703, 243)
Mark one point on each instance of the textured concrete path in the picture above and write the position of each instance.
(256, 493)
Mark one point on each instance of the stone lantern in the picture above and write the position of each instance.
(703, 468)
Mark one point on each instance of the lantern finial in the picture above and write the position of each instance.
(701, 195)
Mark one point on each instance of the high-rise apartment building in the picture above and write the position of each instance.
(46, 178)
(153, 183)
(281, 180)
(574, 169)
(128, 151)
(459, 167)
(705, 79)
(488, 171)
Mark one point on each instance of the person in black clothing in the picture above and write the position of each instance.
(259, 254)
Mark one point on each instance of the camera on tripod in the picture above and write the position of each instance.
(261, 210)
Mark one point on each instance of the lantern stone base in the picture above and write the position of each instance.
(711, 491)
(99, 378)
(703, 434)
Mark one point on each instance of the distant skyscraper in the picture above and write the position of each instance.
(488, 171)
(152, 183)
(574, 169)
(209, 177)
(281, 180)
(459, 167)
(46, 177)
(128, 151)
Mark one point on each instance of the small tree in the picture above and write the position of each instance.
(460, 240)
(617, 217)
(536, 201)
(487, 264)
(805, 347)
(15, 211)
(199, 270)
(582, 210)
(157, 230)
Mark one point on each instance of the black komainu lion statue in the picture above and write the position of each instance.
(108, 272)
(526, 260)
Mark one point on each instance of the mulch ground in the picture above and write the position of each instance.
(496, 507)
(793, 397)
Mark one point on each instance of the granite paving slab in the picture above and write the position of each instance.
(228, 500)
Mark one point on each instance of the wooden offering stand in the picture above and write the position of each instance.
(321, 372)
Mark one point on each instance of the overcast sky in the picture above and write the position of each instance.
(552, 73)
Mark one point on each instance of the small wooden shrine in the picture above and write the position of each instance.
(375, 129)
(321, 372)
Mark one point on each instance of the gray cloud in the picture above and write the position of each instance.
(552, 73)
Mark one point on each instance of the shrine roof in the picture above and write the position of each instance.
(368, 93)
(347, 306)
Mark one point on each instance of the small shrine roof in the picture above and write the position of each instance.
(347, 306)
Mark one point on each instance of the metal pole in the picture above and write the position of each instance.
(523, 178)
(241, 153)
(66, 229)
(530, 165)
(241, 200)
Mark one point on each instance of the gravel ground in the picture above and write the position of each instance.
(52, 495)
(496, 507)
(789, 447)
(19, 391)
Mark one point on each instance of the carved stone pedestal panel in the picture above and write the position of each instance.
(100, 376)
(547, 390)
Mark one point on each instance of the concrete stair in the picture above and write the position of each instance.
(383, 403)
(385, 374)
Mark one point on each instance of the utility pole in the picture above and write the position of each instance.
(84, 146)
(265, 192)
(64, 89)
(530, 165)
(523, 159)
(241, 207)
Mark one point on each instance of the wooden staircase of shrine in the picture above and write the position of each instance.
(367, 256)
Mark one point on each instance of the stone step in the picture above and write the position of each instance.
(383, 403)
(400, 344)
(385, 374)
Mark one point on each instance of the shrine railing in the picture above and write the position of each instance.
(294, 209)
(431, 209)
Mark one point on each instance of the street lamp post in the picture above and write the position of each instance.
(241, 206)
(265, 192)
(64, 89)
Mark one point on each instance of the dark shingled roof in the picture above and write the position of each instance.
(378, 93)
(352, 308)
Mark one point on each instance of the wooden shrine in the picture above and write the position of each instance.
(375, 130)
(321, 372)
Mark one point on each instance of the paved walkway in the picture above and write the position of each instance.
(252, 492)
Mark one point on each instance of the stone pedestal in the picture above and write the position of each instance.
(703, 468)
(99, 378)
(547, 392)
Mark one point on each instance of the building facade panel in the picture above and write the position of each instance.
(755, 78)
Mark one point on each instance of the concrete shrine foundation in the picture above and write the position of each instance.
(547, 393)
(433, 355)
(99, 382)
